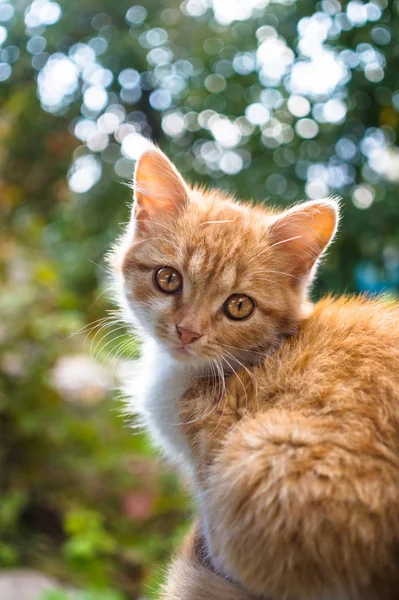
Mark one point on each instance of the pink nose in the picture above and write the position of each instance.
(187, 336)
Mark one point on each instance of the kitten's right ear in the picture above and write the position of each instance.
(159, 190)
(303, 233)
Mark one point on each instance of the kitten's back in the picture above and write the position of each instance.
(346, 353)
(315, 511)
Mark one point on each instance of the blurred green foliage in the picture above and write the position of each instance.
(269, 99)
(85, 595)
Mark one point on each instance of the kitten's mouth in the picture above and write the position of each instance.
(181, 352)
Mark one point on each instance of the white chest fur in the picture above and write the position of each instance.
(154, 387)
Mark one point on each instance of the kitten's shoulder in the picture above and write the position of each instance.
(348, 346)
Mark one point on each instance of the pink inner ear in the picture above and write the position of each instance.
(303, 233)
(159, 188)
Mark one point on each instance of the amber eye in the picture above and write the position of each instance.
(238, 307)
(168, 280)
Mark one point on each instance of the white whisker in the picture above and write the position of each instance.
(214, 222)
(297, 237)
(114, 325)
(109, 341)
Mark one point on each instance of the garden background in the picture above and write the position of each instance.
(273, 100)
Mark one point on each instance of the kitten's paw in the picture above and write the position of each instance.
(300, 507)
(190, 577)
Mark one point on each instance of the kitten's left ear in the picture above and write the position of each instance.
(159, 190)
(303, 233)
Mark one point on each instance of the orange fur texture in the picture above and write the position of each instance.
(290, 417)
(299, 465)
(191, 578)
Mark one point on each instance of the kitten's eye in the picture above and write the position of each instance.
(238, 307)
(168, 280)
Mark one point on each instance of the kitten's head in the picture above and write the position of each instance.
(208, 277)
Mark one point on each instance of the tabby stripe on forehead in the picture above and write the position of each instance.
(141, 266)
(131, 263)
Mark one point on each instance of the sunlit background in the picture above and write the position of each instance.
(272, 100)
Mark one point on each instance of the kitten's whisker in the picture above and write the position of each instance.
(225, 394)
(92, 326)
(266, 250)
(142, 241)
(159, 238)
(251, 375)
(109, 354)
(274, 282)
(220, 376)
(262, 272)
(297, 237)
(244, 349)
(114, 349)
(106, 270)
(219, 367)
(105, 326)
(110, 322)
(212, 403)
(214, 408)
(109, 341)
(283, 273)
(239, 378)
(161, 225)
(198, 419)
(241, 364)
(214, 222)
(119, 350)
(105, 291)
(124, 334)
(193, 421)
(213, 375)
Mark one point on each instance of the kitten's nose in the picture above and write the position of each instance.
(187, 336)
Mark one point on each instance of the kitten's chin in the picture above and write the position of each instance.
(182, 354)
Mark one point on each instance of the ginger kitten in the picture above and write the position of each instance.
(284, 416)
